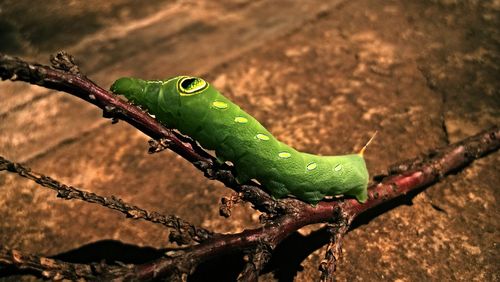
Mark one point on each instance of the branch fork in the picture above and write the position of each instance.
(280, 217)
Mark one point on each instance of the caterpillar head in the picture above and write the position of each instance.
(180, 102)
(142, 91)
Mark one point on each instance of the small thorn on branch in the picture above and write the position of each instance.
(405, 165)
(264, 202)
(256, 260)
(156, 146)
(203, 165)
(179, 238)
(112, 113)
(65, 62)
(227, 204)
(333, 251)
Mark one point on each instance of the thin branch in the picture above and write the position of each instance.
(74, 83)
(50, 268)
(333, 251)
(183, 232)
(426, 170)
(256, 260)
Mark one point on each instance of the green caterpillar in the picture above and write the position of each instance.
(197, 109)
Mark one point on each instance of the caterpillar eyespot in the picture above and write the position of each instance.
(195, 108)
(191, 86)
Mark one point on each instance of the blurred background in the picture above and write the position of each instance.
(322, 76)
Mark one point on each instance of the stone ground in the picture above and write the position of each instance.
(321, 75)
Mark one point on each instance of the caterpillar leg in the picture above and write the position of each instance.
(242, 178)
(278, 190)
(361, 193)
(313, 197)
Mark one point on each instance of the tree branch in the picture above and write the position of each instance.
(425, 170)
(433, 168)
(183, 232)
(334, 250)
(49, 268)
(286, 216)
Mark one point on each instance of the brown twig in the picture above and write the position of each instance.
(424, 171)
(182, 232)
(333, 250)
(50, 268)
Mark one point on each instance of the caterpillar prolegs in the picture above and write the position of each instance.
(197, 109)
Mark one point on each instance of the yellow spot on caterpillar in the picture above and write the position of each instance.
(262, 137)
(284, 155)
(220, 105)
(240, 120)
(337, 167)
(311, 166)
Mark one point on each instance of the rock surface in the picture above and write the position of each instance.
(322, 76)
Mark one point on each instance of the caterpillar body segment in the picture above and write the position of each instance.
(197, 109)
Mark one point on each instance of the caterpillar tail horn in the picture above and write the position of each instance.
(367, 143)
